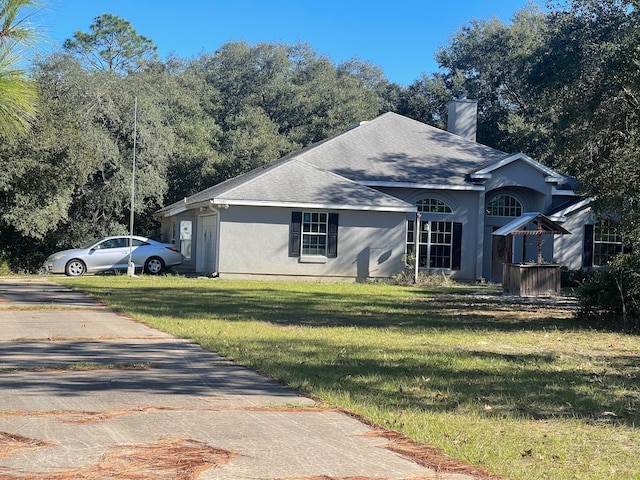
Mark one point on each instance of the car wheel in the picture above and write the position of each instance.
(154, 266)
(75, 268)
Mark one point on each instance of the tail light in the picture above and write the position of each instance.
(173, 249)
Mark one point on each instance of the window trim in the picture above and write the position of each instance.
(314, 234)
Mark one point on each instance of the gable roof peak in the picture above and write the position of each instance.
(485, 173)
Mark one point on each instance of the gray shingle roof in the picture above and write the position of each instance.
(298, 182)
(393, 148)
(390, 148)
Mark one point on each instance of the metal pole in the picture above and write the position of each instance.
(416, 241)
(131, 268)
(539, 242)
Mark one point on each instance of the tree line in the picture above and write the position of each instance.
(561, 84)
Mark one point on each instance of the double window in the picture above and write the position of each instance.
(313, 234)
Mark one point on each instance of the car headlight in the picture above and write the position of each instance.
(58, 257)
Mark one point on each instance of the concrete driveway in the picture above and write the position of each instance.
(89, 394)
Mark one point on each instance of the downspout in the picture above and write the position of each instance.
(216, 273)
(480, 253)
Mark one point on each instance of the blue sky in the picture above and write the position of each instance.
(401, 37)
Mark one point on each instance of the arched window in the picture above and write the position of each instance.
(432, 205)
(504, 206)
(435, 243)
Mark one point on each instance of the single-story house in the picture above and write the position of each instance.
(352, 206)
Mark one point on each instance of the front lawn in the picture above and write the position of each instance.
(515, 387)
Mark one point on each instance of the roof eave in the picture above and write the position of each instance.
(424, 186)
(315, 205)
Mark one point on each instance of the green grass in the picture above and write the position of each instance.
(521, 390)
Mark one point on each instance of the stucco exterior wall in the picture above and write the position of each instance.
(526, 184)
(520, 174)
(568, 249)
(254, 241)
(467, 209)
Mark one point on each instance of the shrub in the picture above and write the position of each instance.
(4, 268)
(573, 278)
(612, 295)
(425, 278)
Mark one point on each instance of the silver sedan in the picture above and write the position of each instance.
(112, 253)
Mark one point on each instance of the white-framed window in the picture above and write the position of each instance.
(314, 233)
(433, 243)
(436, 243)
(411, 237)
(504, 206)
(607, 243)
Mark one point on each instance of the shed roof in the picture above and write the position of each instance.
(544, 226)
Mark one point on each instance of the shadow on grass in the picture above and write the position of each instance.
(421, 309)
(428, 377)
(532, 386)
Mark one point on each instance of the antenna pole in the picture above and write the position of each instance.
(131, 267)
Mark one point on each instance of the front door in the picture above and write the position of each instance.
(207, 244)
(501, 253)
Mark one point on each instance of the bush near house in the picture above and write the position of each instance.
(612, 296)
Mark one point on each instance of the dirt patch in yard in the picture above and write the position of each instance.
(503, 311)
